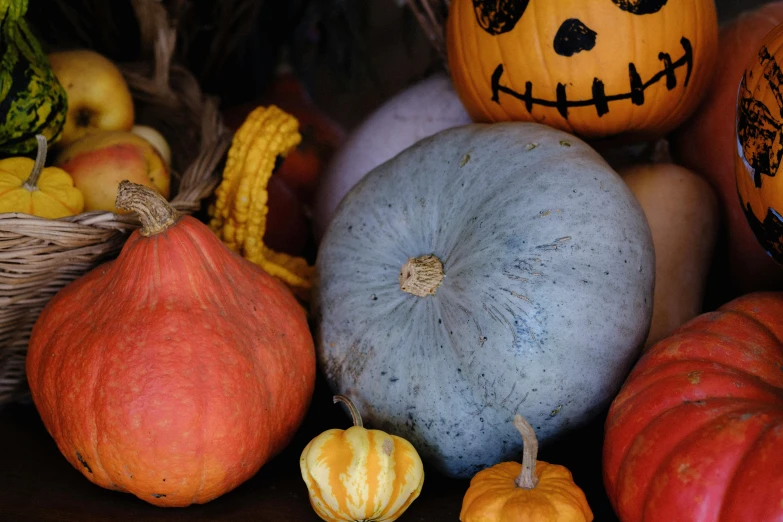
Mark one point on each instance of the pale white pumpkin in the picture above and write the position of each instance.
(544, 304)
(417, 112)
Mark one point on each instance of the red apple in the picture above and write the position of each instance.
(706, 144)
(100, 160)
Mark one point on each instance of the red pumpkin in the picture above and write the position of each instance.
(697, 429)
(707, 143)
(175, 371)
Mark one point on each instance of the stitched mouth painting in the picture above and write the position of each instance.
(759, 134)
(597, 68)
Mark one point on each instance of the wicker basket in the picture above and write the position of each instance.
(39, 256)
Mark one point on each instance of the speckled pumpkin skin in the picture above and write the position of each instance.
(546, 299)
(174, 372)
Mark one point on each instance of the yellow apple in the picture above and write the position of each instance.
(156, 139)
(98, 95)
(101, 159)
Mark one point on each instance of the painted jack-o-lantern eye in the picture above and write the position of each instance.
(573, 37)
(570, 64)
(759, 151)
(499, 16)
(640, 7)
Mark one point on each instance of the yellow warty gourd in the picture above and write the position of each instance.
(359, 474)
(238, 215)
(27, 187)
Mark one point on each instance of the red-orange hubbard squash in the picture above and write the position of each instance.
(697, 429)
(174, 372)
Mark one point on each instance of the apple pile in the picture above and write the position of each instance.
(100, 143)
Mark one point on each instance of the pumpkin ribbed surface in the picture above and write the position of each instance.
(174, 372)
(492, 496)
(696, 431)
(53, 196)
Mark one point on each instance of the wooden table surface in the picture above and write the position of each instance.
(37, 484)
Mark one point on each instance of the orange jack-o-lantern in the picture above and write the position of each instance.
(596, 68)
(759, 149)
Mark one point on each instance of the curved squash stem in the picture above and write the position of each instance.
(31, 183)
(155, 213)
(357, 418)
(527, 477)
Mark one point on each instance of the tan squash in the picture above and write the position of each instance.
(682, 212)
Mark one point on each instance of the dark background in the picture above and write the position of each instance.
(353, 54)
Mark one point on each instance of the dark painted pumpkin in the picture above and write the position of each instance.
(759, 149)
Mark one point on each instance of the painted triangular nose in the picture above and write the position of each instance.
(574, 37)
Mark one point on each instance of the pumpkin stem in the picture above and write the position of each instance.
(31, 183)
(421, 276)
(527, 477)
(155, 213)
(357, 418)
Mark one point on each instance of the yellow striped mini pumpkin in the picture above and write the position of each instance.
(359, 474)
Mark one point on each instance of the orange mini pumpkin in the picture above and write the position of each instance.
(534, 491)
(759, 150)
(596, 69)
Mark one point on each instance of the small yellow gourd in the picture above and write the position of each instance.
(238, 215)
(359, 474)
(534, 491)
(27, 187)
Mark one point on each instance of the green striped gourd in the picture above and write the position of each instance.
(32, 101)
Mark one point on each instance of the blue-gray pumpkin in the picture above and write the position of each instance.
(489, 270)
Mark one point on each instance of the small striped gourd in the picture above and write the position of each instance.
(359, 474)
(32, 101)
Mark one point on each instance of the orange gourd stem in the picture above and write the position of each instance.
(31, 183)
(527, 476)
(155, 213)
(357, 418)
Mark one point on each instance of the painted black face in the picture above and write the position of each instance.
(600, 99)
(758, 129)
(573, 37)
(640, 7)
(500, 16)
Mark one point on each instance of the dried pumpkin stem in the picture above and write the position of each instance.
(421, 276)
(357, 418)
(31, 183)
(155, 213)
(527, 477)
